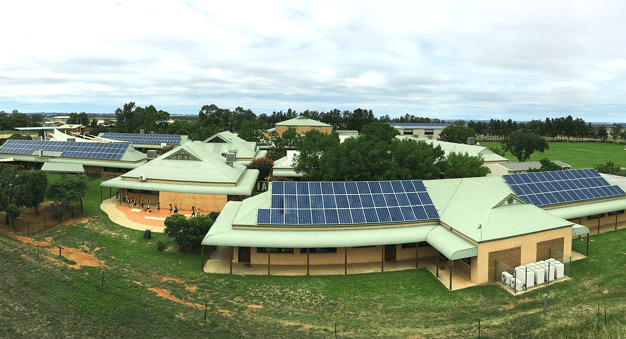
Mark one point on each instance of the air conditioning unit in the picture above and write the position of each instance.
(142, 177)
(231, 158)
(152, 154)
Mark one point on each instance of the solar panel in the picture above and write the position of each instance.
(555, 187)
(315, 203)
(85, 150)
(152, 139)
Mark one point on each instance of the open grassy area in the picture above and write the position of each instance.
(42, 296)
(576, 154)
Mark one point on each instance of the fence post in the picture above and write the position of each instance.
(545, 304)
(28, 225)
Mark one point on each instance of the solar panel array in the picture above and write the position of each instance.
(321, 203)
(90, 150)
(153, 139)
(556, 187)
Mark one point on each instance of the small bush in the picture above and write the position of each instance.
(160, 246)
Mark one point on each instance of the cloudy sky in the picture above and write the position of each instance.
(442, 59)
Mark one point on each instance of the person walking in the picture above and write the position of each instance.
(170, 208)
(175, 208)
(158, 207)
(193, 211)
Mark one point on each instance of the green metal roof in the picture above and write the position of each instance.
(450, 244)
(579, 230)
(245, 186)
(582, 210)
(472, 150)
(478, 208)
(302, 121)
(209, 168)
(51, 167)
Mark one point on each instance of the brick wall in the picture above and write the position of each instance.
(592, 224)
(464, 268)
(152, 197)
(409, 253)
(543, 248)
(528, 245)
(206, 202)
(355, 256)
(511, 257)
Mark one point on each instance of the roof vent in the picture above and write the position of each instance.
(71, 139)
(471, 140)
(142, 177)
(230, 158)
(142, 131)
(152, 154)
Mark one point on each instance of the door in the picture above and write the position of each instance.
(244, 254)
(390, 252)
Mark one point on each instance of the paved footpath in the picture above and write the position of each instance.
(118, 217)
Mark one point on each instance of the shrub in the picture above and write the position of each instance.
(188, 233)
(160, 246)
(264, 165)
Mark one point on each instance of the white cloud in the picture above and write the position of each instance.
(444, 59)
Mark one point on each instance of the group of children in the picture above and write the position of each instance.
(132, 202)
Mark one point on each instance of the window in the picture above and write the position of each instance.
(320, 250)
(407, 132)
(422, 244)
(616, 212)
(595, 216)
(409, 245)
(364, 246)
(182, 156)
(274, 250)
(467, 261)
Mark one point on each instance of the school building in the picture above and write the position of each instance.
(189, 175)
(463, 225)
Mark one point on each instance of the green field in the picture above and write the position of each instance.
(576, 154)
(39, 297)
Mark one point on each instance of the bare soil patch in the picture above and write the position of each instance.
(252, 306)
(295, 323)
(81, 258)
(165, 294)
(24, 239)
(166, 278)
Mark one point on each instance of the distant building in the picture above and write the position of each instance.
(428, 131)
(301, 125)
(520, 167)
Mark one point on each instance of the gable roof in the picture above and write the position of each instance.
(476, 208)
(209, 168)
(472, 150)
(302, 121)
(227, 141)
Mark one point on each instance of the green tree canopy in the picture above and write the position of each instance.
(33, 186)
(616, 131)
(602, 133)
(546, 165)
(68, 189)
(523, 144)
(456, 133)
(365, 158)
(463, 165)
(188, 233)
(264, 165)
(608, 168)
(380, 131)
(254, 131)
(311, 146)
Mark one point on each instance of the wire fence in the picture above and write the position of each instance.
(32, 226)
(525, 277)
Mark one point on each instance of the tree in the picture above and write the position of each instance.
(463, 165)
(81, 119)
(608, 168)
(264, 165)
(68, 189)
(188, 233)
(523, 144)
(546, 165)
(33, 186)
(9, 188)
(602, 133)
(381, 131)
(311, 146)
(616, 131)
(456, 133)
(276, 153)
(253, 130)
(13, 212)
(497, 150)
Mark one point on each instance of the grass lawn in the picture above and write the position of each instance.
(576, 154)
(42, 296)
